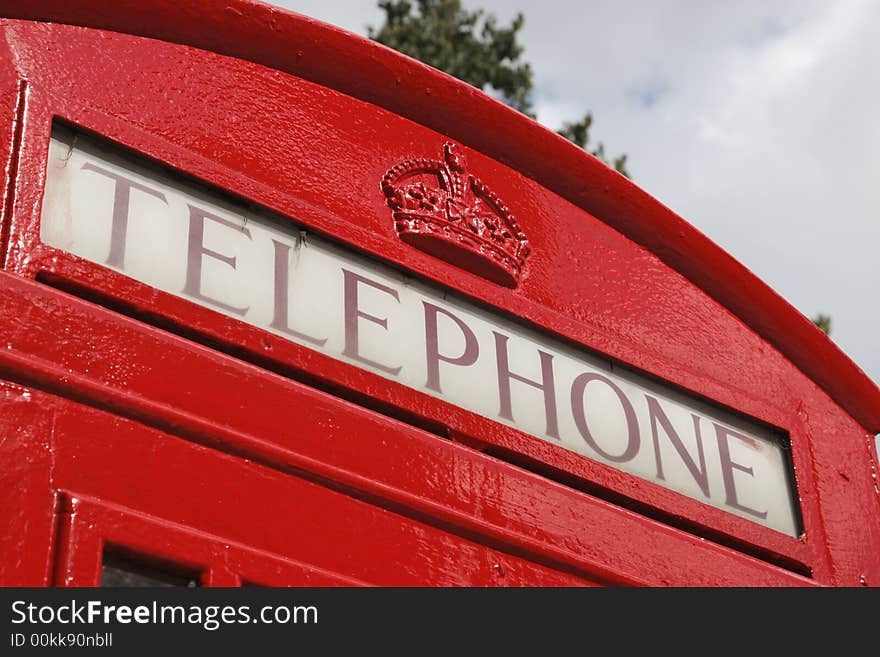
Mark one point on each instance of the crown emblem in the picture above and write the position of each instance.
(441, 209)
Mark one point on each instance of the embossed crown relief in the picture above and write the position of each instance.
(441, 209)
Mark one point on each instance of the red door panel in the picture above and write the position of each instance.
(91, 529)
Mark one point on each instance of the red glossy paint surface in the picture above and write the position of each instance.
(107, 392)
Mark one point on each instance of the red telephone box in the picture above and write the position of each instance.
(280, 306)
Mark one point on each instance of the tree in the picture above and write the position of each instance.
(579, 133)
(823, 322)
(471, 46)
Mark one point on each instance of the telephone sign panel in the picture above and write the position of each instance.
(175, 237)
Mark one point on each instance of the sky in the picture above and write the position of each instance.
(754, 120)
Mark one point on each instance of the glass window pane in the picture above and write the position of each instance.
(126, 570)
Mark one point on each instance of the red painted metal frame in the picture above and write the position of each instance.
(307, 151)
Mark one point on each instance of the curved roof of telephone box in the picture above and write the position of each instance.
(323, 54)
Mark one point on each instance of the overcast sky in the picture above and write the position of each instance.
(756, 121)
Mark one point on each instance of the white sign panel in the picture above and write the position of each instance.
(106, 207)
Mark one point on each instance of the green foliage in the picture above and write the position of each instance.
(466, 44)
(579, 133)
(471, 46)
(823, 322)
